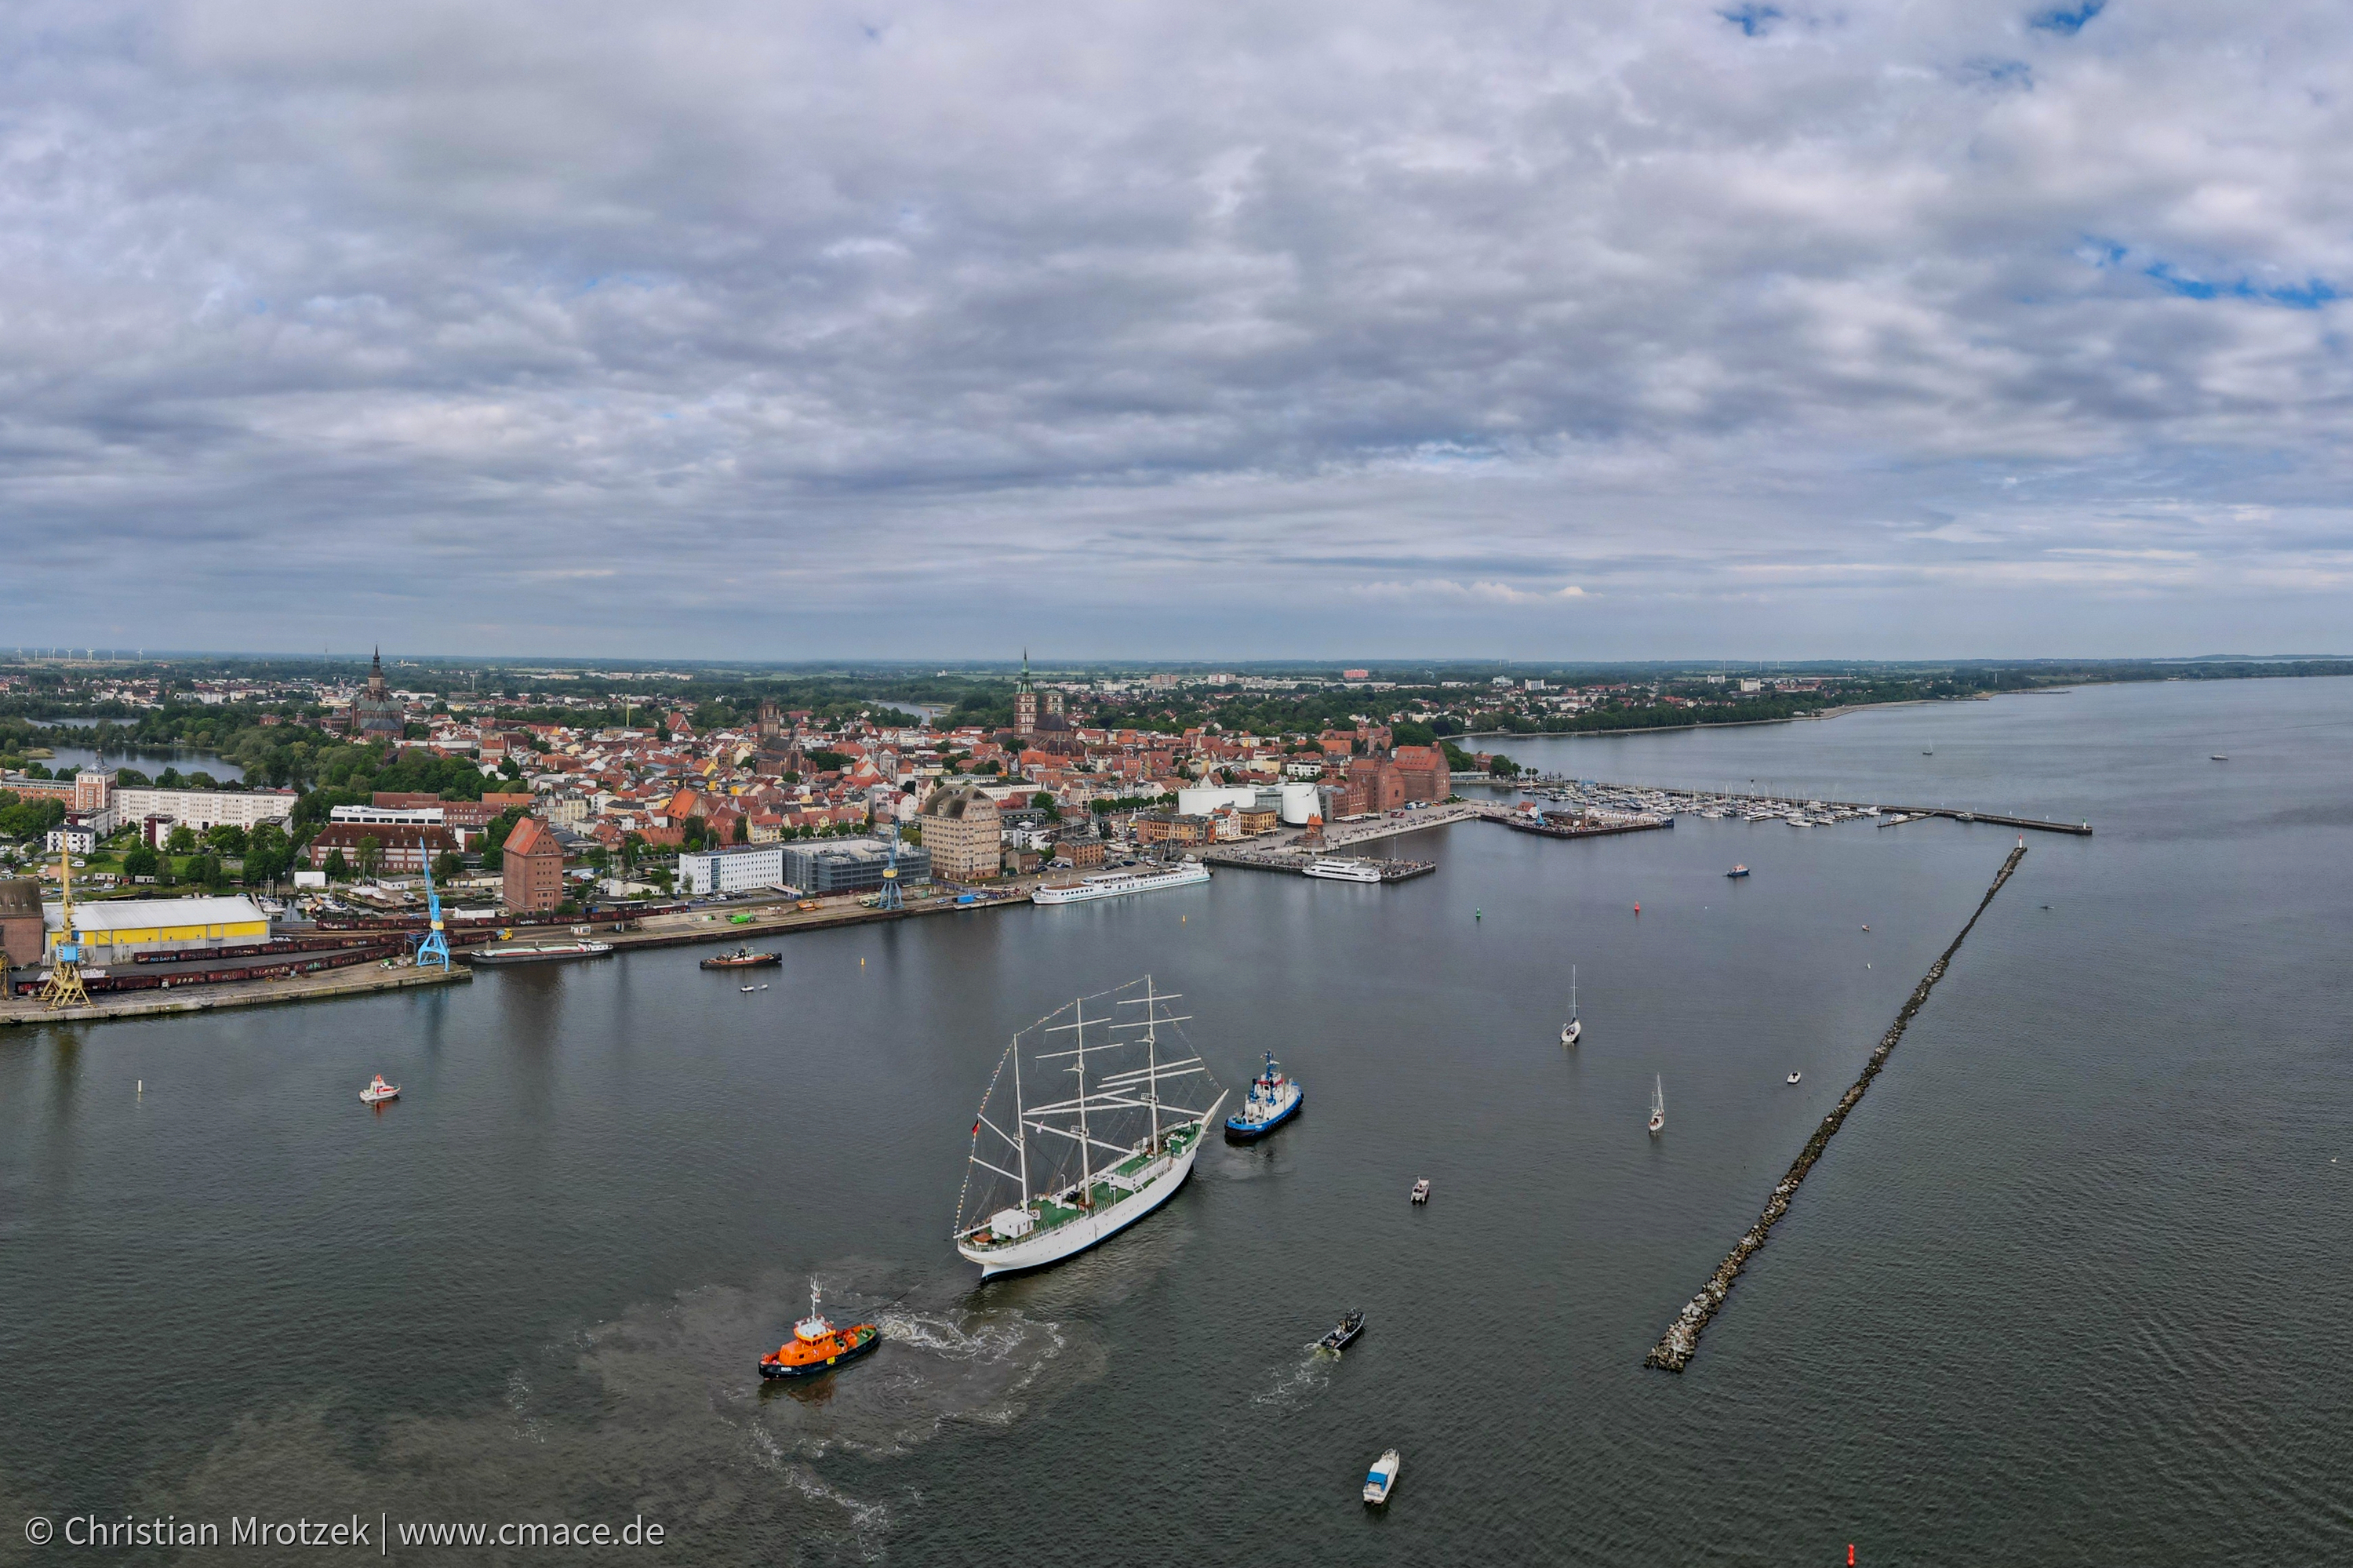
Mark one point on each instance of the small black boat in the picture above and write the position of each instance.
(1347, 1329)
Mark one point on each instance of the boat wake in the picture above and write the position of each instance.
(1291, 1387)
(665, 1403)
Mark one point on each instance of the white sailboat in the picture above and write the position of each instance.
(1106, 1156)
(1658, 1107)
(1575, 1025)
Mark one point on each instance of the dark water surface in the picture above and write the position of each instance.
(2068, 1287)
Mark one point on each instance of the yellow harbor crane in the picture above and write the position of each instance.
(65, 988)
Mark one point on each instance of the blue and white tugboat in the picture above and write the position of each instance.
(1273, 1099)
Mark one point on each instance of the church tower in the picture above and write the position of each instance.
(1024, 702)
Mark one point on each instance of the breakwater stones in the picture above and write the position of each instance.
(1681, 1341)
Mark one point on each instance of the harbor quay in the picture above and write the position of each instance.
(374, 968)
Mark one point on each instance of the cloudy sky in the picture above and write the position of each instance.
(1618, 328)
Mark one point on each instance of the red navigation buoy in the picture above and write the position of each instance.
(1850, 1554)
(1638, 908)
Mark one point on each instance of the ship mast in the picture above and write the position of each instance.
(1020, 1126)
(1086, 1163)
(1152, 1061)
(1150, 1002)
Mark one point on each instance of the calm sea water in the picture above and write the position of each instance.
(2068, 1288)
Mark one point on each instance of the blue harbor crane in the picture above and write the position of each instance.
(891, 899)
(434, 948)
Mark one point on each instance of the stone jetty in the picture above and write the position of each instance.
(1681, 1341)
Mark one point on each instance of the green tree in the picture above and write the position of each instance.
(337, 868)
(228, 838)
(371, 854)
(139, 861)
(1045, 802)
(447, 865)
(182, 840)
(743, 829)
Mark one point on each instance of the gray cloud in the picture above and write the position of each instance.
(1523, 329)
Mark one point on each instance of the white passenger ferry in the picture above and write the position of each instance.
(1117, 884)
(1345, 870)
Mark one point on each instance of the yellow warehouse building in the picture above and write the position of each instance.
(113, 931)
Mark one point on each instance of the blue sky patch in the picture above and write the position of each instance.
(1754, 19)
(2066, 23)
(2308, 295)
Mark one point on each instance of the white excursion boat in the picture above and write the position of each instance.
(1658, 1107)
(1118, 884)
(1575, 1025)
(1107, 1155)
(1381, 1477)
(377, 1092)
(1341, 868)
(1794, 1077)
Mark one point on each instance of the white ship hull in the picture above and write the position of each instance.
(1345, 871)
(1076, 1236)
(1118, 885)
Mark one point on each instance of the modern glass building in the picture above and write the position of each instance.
(850, 865)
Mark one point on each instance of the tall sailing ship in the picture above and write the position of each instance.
(1051, 1177)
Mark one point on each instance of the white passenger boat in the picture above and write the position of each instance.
(1381, 1477)
(1118, 884)
(377, 1092)
(1342, 869)
(1114, 1151)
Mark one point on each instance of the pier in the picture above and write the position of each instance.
(1296, 862)
(318, 986)
(1681, 1341)
(1538, 823)
(1764, 808)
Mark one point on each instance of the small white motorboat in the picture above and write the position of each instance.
(1421, 1191)
(1793, 1078)
(378, 1091)
(747, 990)
(1381, 1477)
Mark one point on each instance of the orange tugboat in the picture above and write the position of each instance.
(817, 1346)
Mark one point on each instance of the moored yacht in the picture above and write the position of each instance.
(1340, 868)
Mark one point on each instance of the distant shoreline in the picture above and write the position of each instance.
(1748, 724)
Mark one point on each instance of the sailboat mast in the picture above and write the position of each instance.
(1086, 1154)
(1020, 1124)
(1151, 1060)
